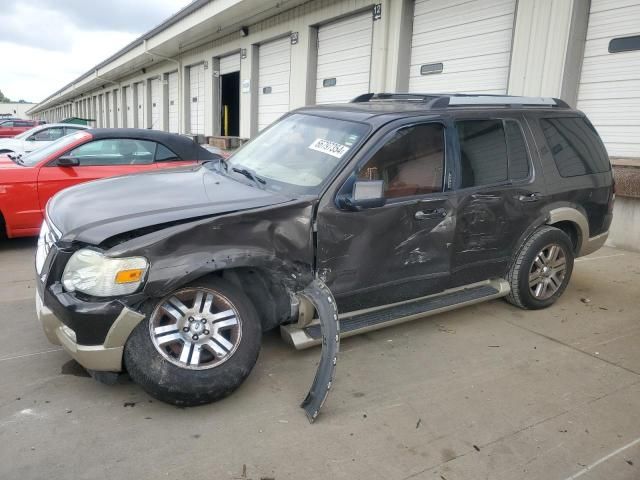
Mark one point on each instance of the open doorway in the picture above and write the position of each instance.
(230, 104)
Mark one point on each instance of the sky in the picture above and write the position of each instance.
(45, 44)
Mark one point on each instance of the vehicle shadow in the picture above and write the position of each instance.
(18, 244)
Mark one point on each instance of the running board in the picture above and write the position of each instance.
(354, 323)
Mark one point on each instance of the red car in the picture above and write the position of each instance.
(27, 182)
(11, 128)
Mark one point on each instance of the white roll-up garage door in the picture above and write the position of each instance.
(230, 64)
(609, 91)
(196, 99)
(108, 109)
(155, 103)
(274, 61)
(172, 100)
(116, 109)
(140, 123)
(461, 46)
(129, 107)
(344, 58)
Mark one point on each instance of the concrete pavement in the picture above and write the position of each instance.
(490, 391)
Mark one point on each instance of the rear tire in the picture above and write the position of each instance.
(541, 270)
(163, 368)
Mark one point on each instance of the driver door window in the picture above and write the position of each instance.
(410, 163)
(115, 152)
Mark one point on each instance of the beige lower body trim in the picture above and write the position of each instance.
(592, 244)
(106, 357)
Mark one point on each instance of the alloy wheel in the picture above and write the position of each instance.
(547, 271)
(196, 328)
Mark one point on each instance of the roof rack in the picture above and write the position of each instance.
(441, 100)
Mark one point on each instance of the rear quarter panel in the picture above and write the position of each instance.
(589, 194)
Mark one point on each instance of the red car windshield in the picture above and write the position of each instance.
(59, 145)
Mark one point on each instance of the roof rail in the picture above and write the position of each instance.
(441, 100)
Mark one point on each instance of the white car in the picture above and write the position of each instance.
(37, 137)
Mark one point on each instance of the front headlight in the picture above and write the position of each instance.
(95, 274)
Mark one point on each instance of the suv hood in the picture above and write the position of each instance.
(95, 211)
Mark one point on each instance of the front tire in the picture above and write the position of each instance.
(196, 345)
(541, 270)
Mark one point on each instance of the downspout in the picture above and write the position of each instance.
(180, 93)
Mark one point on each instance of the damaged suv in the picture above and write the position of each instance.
(390, 208)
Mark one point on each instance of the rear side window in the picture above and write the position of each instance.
(163, 154)
(491, 152)
(575, 146)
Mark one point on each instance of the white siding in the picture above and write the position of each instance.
(172, 100)
(155, 103)
(274, 61)
(140, 123)
(197, 100)
(230, 64)
(609, 91)
(472, 39)
(344, 54)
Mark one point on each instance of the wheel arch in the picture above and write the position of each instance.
(269, 282)
(572, 222)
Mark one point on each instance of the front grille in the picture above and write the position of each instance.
(48, 237)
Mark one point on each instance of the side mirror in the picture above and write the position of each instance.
(366, 194)
(68, 162)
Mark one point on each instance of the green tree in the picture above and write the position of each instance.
(4, 99)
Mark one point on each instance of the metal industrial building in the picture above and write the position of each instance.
(233, 66)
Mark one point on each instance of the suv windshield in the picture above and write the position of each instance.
(298, 153)
(40, 154)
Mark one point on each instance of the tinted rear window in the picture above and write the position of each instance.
(575, 146)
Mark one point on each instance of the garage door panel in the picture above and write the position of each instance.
(611, 68)
(155, 103)
(172, 102)
(479, 82)
(471, 39)
(353, 79)
(465, 13)
(196, 99)
(332, 45)
(609, 91)
(481, 64)
(274, 72)
(229, 64)
(616, 22)
(353, 23)
(459, 48)
(339, 94)
(496, 27)
(344, 54)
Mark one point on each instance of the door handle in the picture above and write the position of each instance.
(532, 197)
(426, 214)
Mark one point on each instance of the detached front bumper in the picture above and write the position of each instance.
(104, 357)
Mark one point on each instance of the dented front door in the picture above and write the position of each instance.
(401, 250)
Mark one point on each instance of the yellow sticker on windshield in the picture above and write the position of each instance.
(330, 148)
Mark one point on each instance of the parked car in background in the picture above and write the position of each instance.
(400, 205)
(28, 181)
(11, 128)
(37, 137)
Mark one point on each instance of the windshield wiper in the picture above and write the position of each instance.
(250, 175)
